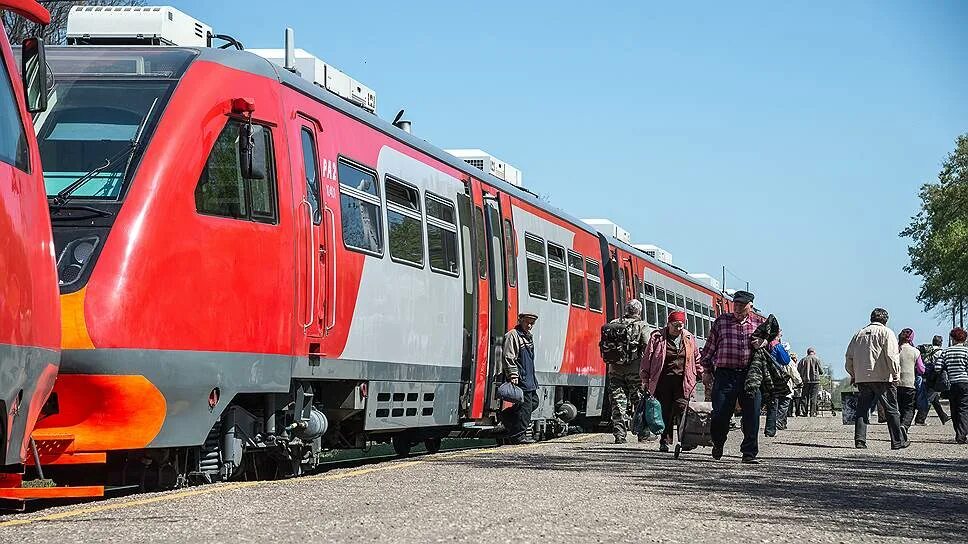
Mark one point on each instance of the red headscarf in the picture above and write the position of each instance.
(677, 316)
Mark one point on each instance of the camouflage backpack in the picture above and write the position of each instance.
(616, 343)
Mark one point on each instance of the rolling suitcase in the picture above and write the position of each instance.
(694, 427)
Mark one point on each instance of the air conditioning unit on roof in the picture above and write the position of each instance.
(656, 252)
(708, 280)
(479, 158)
(609, 228)
(325, 75)
(135, 25)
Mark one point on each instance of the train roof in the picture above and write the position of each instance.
(670, 268)
(250, 62)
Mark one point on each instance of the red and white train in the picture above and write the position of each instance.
(253, 270)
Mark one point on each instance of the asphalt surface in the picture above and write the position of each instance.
(811, 487)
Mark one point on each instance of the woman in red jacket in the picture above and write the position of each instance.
(669, 371)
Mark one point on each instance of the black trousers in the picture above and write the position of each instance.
(728, 388)
(884, 394)
(517, 419)
(670, 395)
(958, 398)
(906, 397)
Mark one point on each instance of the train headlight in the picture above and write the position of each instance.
(74, 258)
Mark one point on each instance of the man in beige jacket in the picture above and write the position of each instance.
(874, 367)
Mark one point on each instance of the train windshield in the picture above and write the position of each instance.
(103, 107)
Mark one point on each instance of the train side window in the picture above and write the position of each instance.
(691, 323)
(593, 271)
(404, 222)
(649, 290)
(576, 278)
(13, 139)
(690, 306)
(650, 313)
(680, 302)
(510, 255)
(671, 298)
(663, 314)
(534, 249)
(557, 273)
(312, 173)
(221, 189)
(481, 243)
(359, 202)
(442, 235)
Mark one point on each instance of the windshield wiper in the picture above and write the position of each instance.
(64, 195)
(94, 213)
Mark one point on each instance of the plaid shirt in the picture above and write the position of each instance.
(728, 344)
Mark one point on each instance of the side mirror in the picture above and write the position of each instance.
(252, 151)
(34, 70)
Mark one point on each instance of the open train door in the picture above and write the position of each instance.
(502, 283)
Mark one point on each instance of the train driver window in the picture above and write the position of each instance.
(13, 139)
(404, 222)
(312, 173)
(576, 278)
(360, 216)
(221, 189)
(442, 235)
(594, 285)
(557, 273)
(534, 248)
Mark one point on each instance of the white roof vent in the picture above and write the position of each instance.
(656, 252)
(479, 158)
(707, 280)
(325, 75)
(135, 25)
(608, 228)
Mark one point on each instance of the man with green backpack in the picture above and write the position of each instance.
(621, 346)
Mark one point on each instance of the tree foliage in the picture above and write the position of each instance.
(18, 28)
(939, 234)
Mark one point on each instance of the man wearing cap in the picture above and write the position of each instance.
(623, 375)
(726, 357)
(811, 369)
(519, 370)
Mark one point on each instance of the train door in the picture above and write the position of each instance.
(482, 353)
(465, 211)
(313, 222)
(498, 286)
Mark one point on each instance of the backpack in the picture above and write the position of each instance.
(616, 342)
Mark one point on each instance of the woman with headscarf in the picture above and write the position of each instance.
(669, 371)
(911, 367)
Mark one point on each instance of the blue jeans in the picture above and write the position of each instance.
(776, 415)
(729, 386)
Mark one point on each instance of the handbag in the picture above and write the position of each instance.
(652, 414)
(509, 392)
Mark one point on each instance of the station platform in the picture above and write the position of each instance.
(812, 486)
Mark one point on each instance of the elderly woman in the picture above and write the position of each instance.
(912, 366)
(669, 371)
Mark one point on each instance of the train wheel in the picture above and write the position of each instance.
(401, 444)
(432, 445)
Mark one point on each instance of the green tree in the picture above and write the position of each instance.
(939, 236)
(18, 28)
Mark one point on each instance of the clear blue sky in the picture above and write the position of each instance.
(787, 142)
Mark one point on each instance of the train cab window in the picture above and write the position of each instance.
(442, 235)
(481, 243)
(13, 139)
(557, 273)
(312, 173)
(651, 314)
(221, 189)
(593, 272)
(534, 250)
(576, 278)
(404, 222)
(360, 216)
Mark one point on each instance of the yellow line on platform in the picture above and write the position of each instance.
(322, 477)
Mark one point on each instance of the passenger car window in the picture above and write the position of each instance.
(360, 205)
(404, 222)
(312, 173)
(442, 235)
(537, 266)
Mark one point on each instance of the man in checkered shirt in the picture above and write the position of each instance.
(726, 357)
